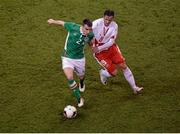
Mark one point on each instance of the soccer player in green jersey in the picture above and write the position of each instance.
(73, 59)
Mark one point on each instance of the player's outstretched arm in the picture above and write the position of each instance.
(55, 22)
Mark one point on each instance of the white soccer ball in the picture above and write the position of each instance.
(70, 111)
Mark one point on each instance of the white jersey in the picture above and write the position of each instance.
(105, 35)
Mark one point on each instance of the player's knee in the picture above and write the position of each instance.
(114, 72)
(122, 66)
(69, 77)
(81, 77)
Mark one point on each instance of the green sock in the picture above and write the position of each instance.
(75, 90)
(77, 94)
(70, 82)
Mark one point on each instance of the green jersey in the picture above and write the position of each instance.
(75, 41)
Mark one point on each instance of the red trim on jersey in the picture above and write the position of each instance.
(97, 43)
(105, 31)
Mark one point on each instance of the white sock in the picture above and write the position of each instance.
(105, 73)
(129, 77)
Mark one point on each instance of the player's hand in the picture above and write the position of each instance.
(50, 21)
(95, 49)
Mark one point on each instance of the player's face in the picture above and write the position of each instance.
(86, 29)
(108, 20)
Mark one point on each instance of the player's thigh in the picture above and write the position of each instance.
(117, 57)
(68, 67)
(67, 63)
(108, 65)
(80, 67)
(68, 73)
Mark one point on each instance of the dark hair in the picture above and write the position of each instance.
(109, 12)
(87, 22)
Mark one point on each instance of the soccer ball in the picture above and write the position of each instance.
(70, 111)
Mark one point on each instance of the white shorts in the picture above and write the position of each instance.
(78, 65)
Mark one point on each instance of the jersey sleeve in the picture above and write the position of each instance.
(69, 26)
(91, 36)
(95, 24)
(116, 31)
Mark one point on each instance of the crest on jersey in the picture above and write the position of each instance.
(86, 39)
(75, 34)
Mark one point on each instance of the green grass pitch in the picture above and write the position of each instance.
(34, 90)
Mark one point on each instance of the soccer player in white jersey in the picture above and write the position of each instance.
(107, 52)
(73, 59)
